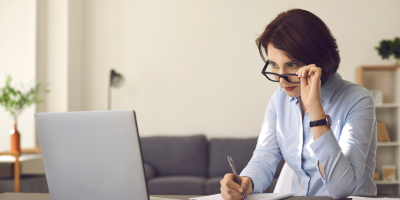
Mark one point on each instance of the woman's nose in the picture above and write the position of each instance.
(282, 81)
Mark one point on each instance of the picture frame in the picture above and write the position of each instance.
(388, 172)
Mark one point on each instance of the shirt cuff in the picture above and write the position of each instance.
(325, 146)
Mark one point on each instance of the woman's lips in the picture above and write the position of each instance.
(289, 88)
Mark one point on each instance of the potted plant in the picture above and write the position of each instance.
(15, 101)
(387, 48)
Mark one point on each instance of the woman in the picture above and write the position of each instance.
(323, 126)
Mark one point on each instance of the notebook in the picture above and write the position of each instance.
(263, 196)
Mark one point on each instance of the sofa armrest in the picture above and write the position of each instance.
(149, 171)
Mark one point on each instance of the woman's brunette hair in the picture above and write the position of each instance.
(305, 38)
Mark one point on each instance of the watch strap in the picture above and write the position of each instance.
(326, 121)
(318, 123)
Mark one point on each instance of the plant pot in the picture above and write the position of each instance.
(15, 139)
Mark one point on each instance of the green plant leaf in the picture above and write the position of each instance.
(385, 49)
(396, 47)
(15, 101)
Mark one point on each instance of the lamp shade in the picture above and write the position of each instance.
(116, 79)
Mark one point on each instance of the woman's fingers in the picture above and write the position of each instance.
(230, 189)
(303, 82)
(246, 185)
(229, 182)
(314, 70)
(230, 193)
(308, 70)
(309, 73)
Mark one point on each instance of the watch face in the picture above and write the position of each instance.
(329, 120)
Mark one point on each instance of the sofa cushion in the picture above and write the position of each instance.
(279, 168)
(149, 171)
(271, 186)
(213, 185)
(176, 185)
(183, 155)
(241, 151)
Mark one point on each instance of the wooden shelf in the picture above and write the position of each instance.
(387, 182)
(388, 144)
(360, 79)
(387, 105)
(387, 80)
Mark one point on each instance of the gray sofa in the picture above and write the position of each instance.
(192, 165)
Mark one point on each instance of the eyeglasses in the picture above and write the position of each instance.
(274, 77)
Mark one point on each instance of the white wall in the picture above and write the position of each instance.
(59, 54)
(190, 66)
(17, 58)
(193, 66)
(52, 54)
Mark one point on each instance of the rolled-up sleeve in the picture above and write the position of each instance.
(262, 166)
(344, 161)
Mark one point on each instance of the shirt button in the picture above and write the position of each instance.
(317, 151)
(304, 130)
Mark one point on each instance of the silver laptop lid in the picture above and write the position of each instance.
(92, 155)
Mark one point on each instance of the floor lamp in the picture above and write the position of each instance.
(116, 80)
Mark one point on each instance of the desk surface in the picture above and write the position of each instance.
(23, 157)
(46, 196)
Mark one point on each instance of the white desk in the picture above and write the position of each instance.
(15, 157)
(31, 164)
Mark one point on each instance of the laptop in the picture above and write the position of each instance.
(92, 155)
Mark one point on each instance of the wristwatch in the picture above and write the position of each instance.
(327, 121)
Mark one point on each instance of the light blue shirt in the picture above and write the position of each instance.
(346, 152)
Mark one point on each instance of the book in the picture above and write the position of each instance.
(263, 196)
(382, 134)
(379, 135)
(377, 175)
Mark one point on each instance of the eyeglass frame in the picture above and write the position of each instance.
(284, 76)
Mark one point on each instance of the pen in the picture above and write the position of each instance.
(234, 172)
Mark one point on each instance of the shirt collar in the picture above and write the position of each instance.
(294, 98)
(327, 89)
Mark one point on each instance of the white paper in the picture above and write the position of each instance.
(385, 198)
(160, 198)
(264, 196)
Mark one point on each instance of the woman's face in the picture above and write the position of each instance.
(281, 64)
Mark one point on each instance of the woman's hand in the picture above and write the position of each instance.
(230, 190)
(310, 76)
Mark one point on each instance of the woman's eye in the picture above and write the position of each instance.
(292, 65)
(274, 65)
